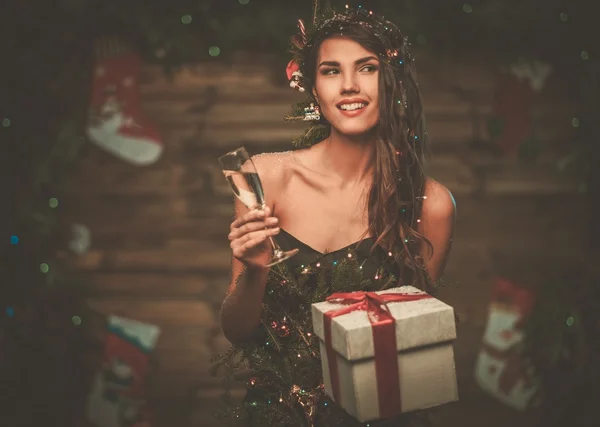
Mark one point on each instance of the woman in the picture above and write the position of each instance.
(360, 187)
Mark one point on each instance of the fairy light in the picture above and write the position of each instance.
(349, 255)
(318, 264)
(418, 219)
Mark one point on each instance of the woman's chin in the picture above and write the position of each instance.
(355, 131)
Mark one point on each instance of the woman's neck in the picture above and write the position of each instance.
(347, 158)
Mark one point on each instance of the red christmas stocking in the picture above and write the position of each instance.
(115, 121)
(511, 124)
(117, 395)
(501, 369)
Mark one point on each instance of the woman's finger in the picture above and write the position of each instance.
(251, 227)
(258, 237)
(254, 215)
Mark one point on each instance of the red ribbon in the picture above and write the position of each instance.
(384, 343)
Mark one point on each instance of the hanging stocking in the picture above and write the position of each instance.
(511, 124)
(115, 122)
(117, 395)
(501, 369)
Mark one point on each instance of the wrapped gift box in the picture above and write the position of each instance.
(376, 366)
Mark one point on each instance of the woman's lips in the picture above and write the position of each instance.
(353, 113)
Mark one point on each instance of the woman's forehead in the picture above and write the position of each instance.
(341, 49)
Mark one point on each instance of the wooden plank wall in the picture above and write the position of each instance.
(160, 252)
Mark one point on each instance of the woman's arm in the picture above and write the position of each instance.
(242, 306)
(437, 225)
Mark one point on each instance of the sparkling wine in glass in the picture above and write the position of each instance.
(240, 172)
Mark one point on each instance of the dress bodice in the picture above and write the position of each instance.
(372, 264)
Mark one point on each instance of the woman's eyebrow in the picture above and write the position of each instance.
(357, 62)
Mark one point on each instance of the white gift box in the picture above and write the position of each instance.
(424, 332)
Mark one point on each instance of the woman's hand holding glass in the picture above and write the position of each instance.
(250, 235)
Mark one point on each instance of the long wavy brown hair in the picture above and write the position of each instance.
(396, 194)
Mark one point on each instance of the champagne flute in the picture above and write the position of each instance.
(240, 172)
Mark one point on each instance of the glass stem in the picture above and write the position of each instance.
(276, 249)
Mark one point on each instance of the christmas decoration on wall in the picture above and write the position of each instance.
(116, 123)
(512, 124)
(117, 395)
(502, 369)
(80, 239)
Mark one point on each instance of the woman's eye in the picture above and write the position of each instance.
(329, 72)
(370, 68)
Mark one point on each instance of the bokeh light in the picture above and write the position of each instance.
(5, 122)
(214, 51)
(44, 268)
(53, 202)
(76, 320)
(14, 240)
(186, 19)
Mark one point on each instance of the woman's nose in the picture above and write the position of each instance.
(349, 83)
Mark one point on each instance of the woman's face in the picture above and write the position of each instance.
(347, 86)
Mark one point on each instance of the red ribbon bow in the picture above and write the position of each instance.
(384, 342)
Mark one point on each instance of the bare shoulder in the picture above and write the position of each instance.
(439, 203)
(272, 169)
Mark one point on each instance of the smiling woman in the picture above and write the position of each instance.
(340, 78)
(360, 193)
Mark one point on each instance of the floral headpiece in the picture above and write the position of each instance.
(395, 52)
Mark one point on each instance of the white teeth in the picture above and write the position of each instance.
(354, 106)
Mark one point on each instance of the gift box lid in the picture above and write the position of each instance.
(418, 323)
